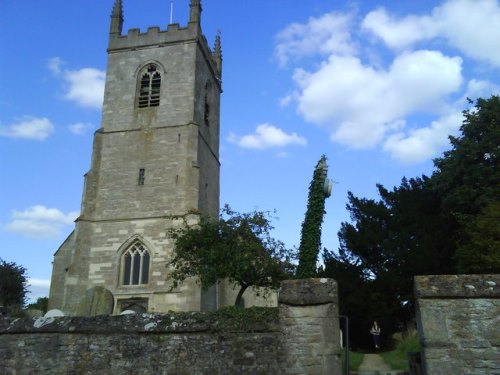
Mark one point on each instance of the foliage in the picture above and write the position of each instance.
(398, 358)
(468, 177)
(355, 360)
(13, 284)
(41, 304)
(228, 318)
(244, 319)
(444, 224)
(310, 239)
(235, 246)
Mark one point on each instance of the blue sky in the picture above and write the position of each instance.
(376, 86)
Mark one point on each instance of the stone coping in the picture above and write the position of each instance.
(189, 322)
(457, 286)
(314, 291)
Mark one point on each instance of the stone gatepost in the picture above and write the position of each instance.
(309, 322)
(458, 318)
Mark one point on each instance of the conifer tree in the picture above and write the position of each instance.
(310, 239)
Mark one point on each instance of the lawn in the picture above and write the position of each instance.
(398, 358)
(355, 360)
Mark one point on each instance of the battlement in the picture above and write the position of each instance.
(154, 36)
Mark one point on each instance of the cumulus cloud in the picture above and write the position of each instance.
(267, 136)
(35, 128)
(364, 96)
(84, 86)
(471, 26)
(80, 128)
(40, 222)
(329, 33)
(420, 144)
(360, 104)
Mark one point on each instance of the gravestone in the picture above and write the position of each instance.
(54, 313)
(97, 301)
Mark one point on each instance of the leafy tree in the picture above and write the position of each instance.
(41, 304)
(310, 239)
(235, 246)
(13, 284)
(444, 224)
(481, 253)
(468, 177)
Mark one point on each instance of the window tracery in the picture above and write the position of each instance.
(149, 87)
(135, 265)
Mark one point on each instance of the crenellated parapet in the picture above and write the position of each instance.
(155, 37)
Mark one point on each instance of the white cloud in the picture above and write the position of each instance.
(84, 86)
(55, 65)
(326, 34)
(468, 25)
(360, 104)
(417, 145)
(397, 33)
(28, 127)
(80, 128)
(40, 222)
(267, 136)
(477, 88)
(366, 97)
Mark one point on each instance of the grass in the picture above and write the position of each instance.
(398, 358)
(355, 360)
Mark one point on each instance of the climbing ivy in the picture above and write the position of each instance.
(310, 239)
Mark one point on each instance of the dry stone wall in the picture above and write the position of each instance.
(458, 319)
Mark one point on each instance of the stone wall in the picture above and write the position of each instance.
(301, 337)
(458, 320)
(136, 344)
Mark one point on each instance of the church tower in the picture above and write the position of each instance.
(155, 164)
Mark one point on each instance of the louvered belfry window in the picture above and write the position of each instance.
(149, 90)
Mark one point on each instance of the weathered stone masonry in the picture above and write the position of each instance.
(458, 319)
(302, 339)
(135, 344)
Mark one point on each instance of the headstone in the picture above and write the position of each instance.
(54, 313)
(128, 312)
(97, 301)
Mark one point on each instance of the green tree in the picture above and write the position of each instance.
(310, 239)
(236, 246)
(41, 304)
(13, 284)
(444, 224)
(468, 178)
(389, 242)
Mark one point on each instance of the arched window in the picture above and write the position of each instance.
(149, 87)
(135, 265)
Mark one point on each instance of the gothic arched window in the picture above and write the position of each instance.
(149, 87)
(135, 265)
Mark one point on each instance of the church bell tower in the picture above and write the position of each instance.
(155, 165)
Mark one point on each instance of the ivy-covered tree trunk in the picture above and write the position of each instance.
(310, 239)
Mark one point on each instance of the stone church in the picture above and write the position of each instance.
(155, 157)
